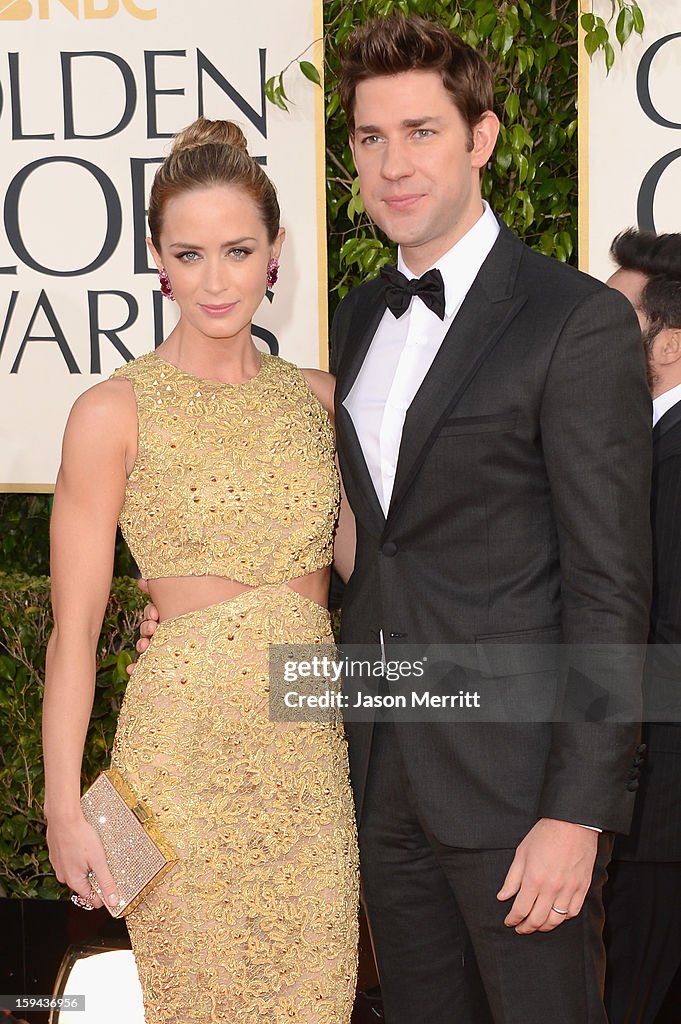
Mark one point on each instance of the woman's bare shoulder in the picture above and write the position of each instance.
(105, 404)
(102, 422)
(322, 384)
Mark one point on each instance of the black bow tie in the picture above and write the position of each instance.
(430, 289)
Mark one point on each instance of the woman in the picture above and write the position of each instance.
(218, 462)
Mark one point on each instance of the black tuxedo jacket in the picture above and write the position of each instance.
(519, 514)
(656, 827)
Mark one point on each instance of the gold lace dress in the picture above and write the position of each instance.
(258, 920)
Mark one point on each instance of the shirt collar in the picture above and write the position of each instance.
(664, 402)
(461, 264)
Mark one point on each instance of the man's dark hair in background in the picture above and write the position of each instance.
(657, 258)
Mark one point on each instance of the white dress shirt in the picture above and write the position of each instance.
(402, 352)
(664, 402)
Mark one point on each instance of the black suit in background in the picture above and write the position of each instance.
(643, 895)
(519, 515)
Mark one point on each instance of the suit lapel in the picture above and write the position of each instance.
(363, 325)
(356, 477)
(488, 308)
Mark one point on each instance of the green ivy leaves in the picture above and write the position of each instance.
(597, 37)
(274, 90)
(310, 71)
(274, 86)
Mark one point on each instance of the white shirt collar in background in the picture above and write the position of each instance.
(664, 402)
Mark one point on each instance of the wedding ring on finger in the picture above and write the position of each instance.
(557, 910)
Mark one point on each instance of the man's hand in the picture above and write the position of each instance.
(147, 627)
(552, 867)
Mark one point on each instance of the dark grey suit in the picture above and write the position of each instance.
(519, 514)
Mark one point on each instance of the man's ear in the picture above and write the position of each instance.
(669, 346)
(154, 253)
(485, 134)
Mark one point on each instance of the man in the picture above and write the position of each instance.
(495, 451)
(494, 439)
(643, 895)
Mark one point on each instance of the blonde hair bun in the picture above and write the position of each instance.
(204, 132)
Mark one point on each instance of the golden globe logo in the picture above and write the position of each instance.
(23, 10)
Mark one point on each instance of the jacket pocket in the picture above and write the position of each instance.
(478, 424)
(519, 652)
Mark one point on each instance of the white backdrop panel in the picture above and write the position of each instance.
(631, 151)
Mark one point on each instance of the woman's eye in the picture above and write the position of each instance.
(188, 257)
(239, 254)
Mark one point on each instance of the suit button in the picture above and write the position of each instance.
(632, 786)
(634, 773)
(641, 748)
(389, 548)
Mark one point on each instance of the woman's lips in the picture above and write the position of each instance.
(226, 307)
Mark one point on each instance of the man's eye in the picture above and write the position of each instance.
(371, 139)
(423, 133)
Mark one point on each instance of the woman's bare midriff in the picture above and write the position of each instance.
(175, 595)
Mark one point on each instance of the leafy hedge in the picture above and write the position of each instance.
(25, 626)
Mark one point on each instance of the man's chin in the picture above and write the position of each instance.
(400, 225)
(406, 235)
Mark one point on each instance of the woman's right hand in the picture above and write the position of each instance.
(76, 849)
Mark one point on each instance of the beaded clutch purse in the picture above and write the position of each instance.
(137, 853)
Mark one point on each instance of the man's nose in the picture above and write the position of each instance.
(397, 161)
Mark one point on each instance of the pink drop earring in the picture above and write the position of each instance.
(272, 272)
(166, 286)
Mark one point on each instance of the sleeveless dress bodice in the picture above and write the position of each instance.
(233, 480)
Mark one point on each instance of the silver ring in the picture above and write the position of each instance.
(563, 913)
(82, 902)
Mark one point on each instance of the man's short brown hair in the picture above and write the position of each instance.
(394, 44)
